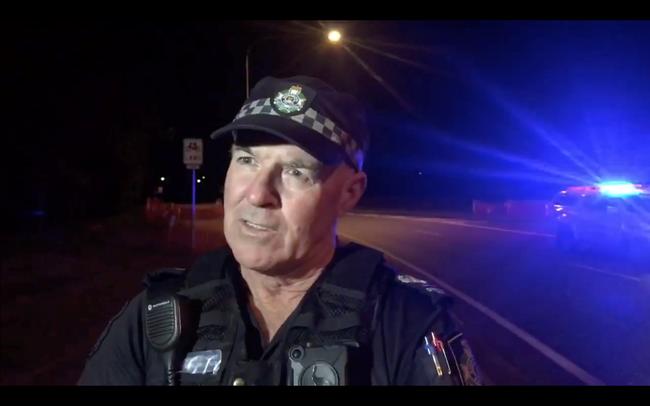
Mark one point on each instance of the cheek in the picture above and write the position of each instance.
(328, 205)
(232, 192)
(310, 216)
(233, 188)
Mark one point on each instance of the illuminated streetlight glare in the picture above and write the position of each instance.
(334, 36)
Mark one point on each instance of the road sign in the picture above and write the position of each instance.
(193, 152)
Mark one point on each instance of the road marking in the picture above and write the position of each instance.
(460, 223)
(547, 351)
(428, 232)
(617, 275)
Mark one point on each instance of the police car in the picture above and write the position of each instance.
(610, 216)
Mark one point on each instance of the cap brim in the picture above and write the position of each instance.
(326, 151)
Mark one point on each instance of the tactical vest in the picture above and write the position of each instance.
(349, 301)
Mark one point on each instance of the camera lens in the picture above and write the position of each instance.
(296, 352)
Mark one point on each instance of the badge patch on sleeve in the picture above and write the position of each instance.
(464, 360)
(420, 283)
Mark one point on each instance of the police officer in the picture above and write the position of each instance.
(286, 303)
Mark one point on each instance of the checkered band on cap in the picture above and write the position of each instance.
(310, 119)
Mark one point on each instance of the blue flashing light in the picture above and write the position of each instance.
(619, 189)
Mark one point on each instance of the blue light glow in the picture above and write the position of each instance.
(619, 189)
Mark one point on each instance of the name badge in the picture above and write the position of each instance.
(202, 362)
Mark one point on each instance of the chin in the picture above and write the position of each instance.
(255, 258)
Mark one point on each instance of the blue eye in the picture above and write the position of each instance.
(303, 177)
(245, 160)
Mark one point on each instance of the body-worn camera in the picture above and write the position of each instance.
(318, 366)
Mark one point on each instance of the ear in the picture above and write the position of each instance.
(353, 189)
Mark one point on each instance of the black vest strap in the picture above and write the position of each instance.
(165, 281)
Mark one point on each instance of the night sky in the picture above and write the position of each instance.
(476, 109)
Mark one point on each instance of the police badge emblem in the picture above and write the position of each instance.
(290, 100)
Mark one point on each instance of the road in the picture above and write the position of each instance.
(533, 314)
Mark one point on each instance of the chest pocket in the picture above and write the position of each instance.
(202, 367)
(205, 363)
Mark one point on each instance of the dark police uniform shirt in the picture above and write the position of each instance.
(359, 324)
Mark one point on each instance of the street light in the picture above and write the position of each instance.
(334, 36)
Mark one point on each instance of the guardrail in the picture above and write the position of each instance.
(157, 211)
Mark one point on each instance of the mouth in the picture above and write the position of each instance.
(258, 227)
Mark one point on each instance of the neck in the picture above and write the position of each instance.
(274, 297)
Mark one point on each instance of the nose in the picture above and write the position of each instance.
(262, 191)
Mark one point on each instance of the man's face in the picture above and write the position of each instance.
(280, 206)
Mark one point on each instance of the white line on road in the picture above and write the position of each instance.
(614, 274)
(427, 232)
(460, 223)
(551, 354)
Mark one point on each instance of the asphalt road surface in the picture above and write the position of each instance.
(533, 314)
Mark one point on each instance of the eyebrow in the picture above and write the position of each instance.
(294, 163)
(241, 148)
(299, 163)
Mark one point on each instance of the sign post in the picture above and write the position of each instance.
(193, 158)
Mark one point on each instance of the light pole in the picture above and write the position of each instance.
(247, 62)
(248, 52)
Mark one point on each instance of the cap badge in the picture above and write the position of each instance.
(290, 100)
